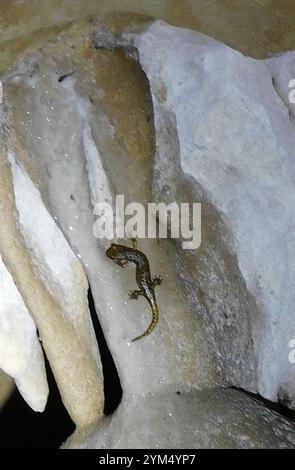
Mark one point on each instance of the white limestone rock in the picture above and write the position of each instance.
(78, 155)
(52, 255)
(65, 325)
(224, 127)
(170, 380)
(207, 419)
(21, 355)
(6, 387)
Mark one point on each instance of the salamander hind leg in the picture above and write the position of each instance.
(134, 294)
(156, 281)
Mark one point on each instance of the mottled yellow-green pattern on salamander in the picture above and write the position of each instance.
(121, 255)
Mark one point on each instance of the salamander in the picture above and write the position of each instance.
(122, 255)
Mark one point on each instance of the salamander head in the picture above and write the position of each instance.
(114, 252)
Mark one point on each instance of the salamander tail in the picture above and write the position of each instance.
(154, 321)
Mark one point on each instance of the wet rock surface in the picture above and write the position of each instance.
(82, 122)
(227, 419)
(232, 145)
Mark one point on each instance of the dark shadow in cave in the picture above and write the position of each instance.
(112, 384)
(279, 408)
(23, 428)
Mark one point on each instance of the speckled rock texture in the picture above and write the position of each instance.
(210, 419)
(200, 124)
(230, 146)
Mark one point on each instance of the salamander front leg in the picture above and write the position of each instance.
(134, 243)
(121, 263)
(134, 294)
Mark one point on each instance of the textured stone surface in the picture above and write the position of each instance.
(6, 387)
(207, 419)
(257, 27)
(52, 287)
(232, 141)
(83, 139)
(67, 134)
(77, 138)
(20, 351)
